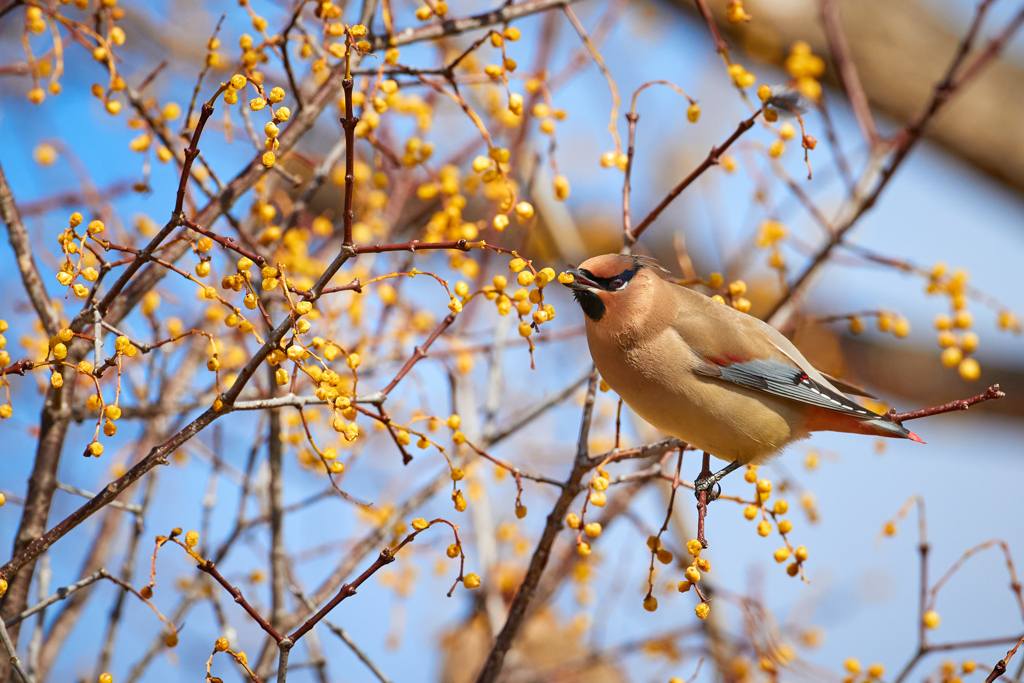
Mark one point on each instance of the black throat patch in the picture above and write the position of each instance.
(591, 304)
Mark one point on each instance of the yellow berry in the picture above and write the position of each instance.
(969, 369)
(471, 581)
(650, 603)
(931, 619)
(951, 357)
(963, 320)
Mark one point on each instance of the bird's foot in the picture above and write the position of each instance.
(707, 483)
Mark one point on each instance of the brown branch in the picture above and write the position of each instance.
(349, 589)
(420, 353)
(542, 552)
(349, 124)
(1000, 668)
(210, 568)
(702, 500)
(146, 253)
(158, 456)
(275, 494)
(225, 242)
(627, 224)
(711, 160)
(18, 368)
(506, 13)
(991, 393)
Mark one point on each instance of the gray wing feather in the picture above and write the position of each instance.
(785, 381)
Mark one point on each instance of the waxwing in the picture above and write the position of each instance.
(720, 380)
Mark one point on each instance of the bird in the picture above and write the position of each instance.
(719, 379)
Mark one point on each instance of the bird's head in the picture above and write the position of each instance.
(612, 282)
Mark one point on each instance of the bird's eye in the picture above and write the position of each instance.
(617, 283)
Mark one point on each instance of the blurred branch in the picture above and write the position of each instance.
(847, 70)
(18, 236)
(882, 166)
(896, 49)
(542, 551)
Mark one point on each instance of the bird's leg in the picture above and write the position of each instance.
(707, 481)
(703, 488)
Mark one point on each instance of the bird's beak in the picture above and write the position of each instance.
(580, 281)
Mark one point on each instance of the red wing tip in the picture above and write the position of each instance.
(914, 437)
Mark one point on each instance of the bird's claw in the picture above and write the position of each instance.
(710, 485)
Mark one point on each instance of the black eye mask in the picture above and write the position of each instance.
(615, 282)
(590, 302)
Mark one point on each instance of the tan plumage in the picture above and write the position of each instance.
(723, 381)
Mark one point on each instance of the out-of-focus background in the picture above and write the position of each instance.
(957, 200)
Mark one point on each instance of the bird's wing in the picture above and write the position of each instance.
(786, 381)
(743, 350)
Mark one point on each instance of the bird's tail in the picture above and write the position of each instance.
(883, 426)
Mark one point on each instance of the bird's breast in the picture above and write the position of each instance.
(655, 377)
